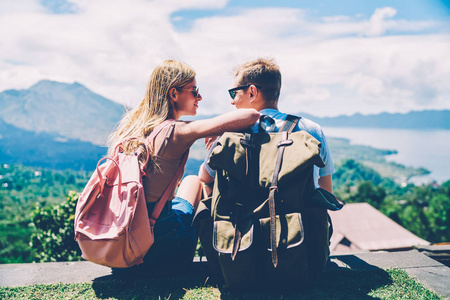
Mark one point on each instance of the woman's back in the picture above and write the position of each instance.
(169, 146)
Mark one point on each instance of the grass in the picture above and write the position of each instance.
(336, 284)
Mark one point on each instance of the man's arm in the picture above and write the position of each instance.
(326, 183)
(206, 179)
(205, 173)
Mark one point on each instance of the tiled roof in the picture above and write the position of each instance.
(359, 226)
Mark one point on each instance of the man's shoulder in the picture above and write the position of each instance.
(311, 127)
(309, 124)
(304, 123)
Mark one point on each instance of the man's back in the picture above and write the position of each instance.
(264, 228)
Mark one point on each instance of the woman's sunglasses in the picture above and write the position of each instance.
(233, 91)
(194, 92)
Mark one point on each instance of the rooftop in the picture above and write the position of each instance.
(359, 226)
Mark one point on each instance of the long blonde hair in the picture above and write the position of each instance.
(153, 109)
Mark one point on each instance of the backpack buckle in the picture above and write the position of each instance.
(247, 143)
(285, 143)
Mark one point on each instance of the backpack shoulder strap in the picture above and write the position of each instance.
(290, 123)
(262, 123)
(158, 129)
(162, 147)
(160, 205)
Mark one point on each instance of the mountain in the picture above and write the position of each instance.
(18, 146)
(68, 110)
(426, 119)
(60, 125)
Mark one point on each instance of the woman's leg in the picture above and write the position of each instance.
(190, 189)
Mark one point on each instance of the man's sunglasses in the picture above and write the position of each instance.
(232, 91)
(194, 92)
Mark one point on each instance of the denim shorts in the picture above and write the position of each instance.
(175, 238)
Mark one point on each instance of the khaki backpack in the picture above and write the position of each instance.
(265, 224)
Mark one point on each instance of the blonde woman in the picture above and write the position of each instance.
(171, 93)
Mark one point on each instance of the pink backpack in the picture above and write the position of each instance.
(112, 226)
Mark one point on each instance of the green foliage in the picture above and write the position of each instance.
(54, 239)
(14, 242)
(367, 192)
(21, 190)
(30, 195)
(423, 210)
(438, 216)
(349, 172)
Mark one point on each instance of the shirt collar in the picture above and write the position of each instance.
(269, 111)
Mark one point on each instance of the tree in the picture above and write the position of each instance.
(438, 215)
(54, 239)
(367, 192)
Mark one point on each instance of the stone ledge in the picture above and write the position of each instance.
(429, 272)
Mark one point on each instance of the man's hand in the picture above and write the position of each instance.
(209, 141)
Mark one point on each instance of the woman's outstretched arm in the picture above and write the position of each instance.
(232, 121)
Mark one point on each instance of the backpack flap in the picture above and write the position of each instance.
(289, 231)
(303, 153)
(105, 216)
(223, 236)
(95, 187)
(129, 166)
(229, 155)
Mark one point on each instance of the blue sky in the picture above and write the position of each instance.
(336, 57)
(408, 9)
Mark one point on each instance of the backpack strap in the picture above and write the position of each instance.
(162, 201)
(159, 206)
(157, 130)
(145, 142)
(290, 123)
(262, 123)
(287, 127)
(165, 141)
(246, 143)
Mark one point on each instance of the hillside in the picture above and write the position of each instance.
(18, 146)
(68, 110)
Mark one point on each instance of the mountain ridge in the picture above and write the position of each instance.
(41, 149)
(70, 110)
(424, 119)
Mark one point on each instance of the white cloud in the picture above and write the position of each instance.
(11, 7)
(377, 24)
(344, 64)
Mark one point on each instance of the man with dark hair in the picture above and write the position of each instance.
(257, 85)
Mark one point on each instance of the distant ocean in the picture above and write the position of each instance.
(429, 149)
